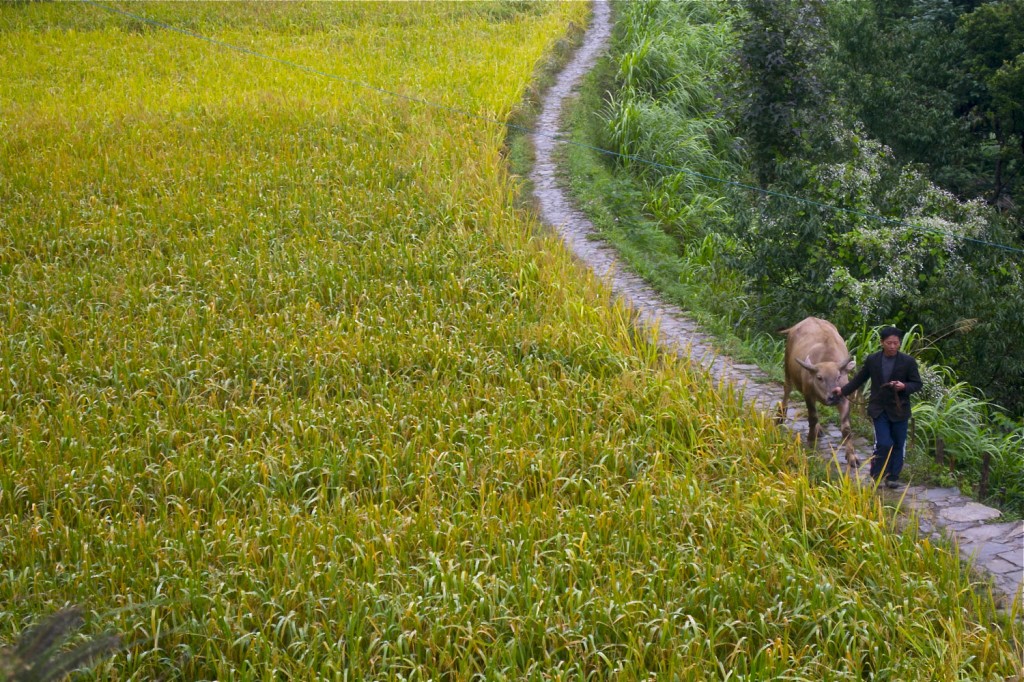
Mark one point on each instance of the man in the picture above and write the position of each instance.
(894, 376)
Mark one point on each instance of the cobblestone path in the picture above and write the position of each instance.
(994, 548)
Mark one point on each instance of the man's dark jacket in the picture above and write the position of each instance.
(883, 398)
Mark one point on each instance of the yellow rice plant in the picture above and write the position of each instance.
(289, 388)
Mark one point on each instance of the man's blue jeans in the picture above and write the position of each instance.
(890, 446)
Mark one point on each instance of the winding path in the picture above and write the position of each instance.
(997, 549)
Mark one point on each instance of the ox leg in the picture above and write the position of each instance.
(852, 460)
(812, 423)
(784, 405)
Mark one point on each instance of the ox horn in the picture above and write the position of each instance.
(806, 364)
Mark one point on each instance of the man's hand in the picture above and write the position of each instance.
(897, 385)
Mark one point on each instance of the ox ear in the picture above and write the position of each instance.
(849, 365)
(806, 364)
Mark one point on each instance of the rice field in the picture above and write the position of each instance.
(290, 388)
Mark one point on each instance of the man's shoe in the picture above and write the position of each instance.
(895, 485)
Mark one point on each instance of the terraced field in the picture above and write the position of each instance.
(290, 388)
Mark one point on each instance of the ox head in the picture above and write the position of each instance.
(827, 375)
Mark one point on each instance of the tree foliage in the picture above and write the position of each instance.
(782, 93)
(942, 83)
(992, 92)
(885, 203)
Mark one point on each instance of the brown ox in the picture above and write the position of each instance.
(816, 362)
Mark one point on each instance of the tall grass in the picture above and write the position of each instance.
(289, 389)
(970, 430)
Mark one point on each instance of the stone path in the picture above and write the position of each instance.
(997, 549)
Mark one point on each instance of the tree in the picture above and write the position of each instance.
(782, 94)
(992, 91)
